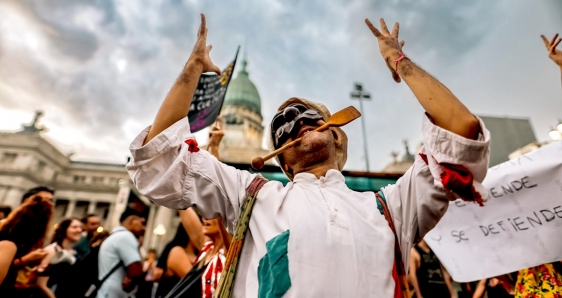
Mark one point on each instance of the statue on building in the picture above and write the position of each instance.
(33, 126)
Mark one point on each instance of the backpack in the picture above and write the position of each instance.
(82, 277)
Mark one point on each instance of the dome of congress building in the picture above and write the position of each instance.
(242, 120)
(242, 92)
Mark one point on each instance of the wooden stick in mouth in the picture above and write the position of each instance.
(338, 119)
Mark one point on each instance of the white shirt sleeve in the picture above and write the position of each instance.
(418, 200)
(173, 174)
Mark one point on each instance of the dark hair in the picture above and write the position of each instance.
(180, 239)
(85, 219)
(152, 250)
(6, 210)
(36, 190)
(129, 212)
(60, 231)
(99, 236)
(27, 225)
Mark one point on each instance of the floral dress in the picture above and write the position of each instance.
(538, 282)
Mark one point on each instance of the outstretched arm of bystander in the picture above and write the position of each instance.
(8, 251)
(553, 53)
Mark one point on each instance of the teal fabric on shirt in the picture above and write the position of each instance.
(122, 246)
(273, 269)
(82, 247)
(379, 206)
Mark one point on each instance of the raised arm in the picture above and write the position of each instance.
(177, 102)
(193, 227)
(444, 108)
(553, 53)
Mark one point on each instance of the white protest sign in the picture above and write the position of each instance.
(519, 227)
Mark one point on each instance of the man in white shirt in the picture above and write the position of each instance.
(315, 237)
(121, 247)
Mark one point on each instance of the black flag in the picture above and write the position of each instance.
(209, 96)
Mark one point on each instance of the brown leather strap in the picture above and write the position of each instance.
(398, 271)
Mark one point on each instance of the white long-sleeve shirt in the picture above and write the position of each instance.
(339, 243)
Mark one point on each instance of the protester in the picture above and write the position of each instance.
(337, 240)
(61, 256)
(121, 247)
(21, 232)
(91, 224)
(544, 280)
(540, 281)
(149, 266)
(178, 257)
(428, 277)
(30, 264)
(5, 210)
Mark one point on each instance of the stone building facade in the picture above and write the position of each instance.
(27, 160)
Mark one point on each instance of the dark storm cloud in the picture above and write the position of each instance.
(107, 64)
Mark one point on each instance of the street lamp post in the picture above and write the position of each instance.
(358, 93)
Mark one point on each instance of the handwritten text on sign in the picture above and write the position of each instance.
(519, 227)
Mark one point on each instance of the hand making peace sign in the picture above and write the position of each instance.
(553, 53)
(388, 44)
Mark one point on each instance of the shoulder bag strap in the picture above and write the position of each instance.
(399, 275)
(224, 290)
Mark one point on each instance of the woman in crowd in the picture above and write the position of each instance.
(61, 256)
(176, 260)
(21, 232)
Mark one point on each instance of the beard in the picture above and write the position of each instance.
(315, 147)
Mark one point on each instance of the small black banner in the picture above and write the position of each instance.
(209, 96)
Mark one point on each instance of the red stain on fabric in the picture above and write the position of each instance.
(459, 180)
(192, 145)
(423, 157)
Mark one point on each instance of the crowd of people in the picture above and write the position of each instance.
(338, 242)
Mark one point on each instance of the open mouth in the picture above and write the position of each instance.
(304, 130)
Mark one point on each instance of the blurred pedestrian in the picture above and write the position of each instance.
(21, 232)
(149, 267)
(91, 224)
(121, 247)
(61, 256)
(428, 277)
(30, 264)
(177, 259)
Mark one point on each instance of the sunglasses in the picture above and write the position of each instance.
(283, 123)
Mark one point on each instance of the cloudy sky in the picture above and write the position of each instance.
(99, 69)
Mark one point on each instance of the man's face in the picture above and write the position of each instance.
(46, 196)
(137, 226)
(92, 224)
(314, 148)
